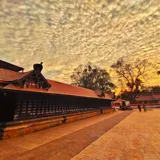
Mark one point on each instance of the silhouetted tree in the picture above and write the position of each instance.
(155, 89)
(132, 74)
(93, 78)
(150, 90)
(145, 92)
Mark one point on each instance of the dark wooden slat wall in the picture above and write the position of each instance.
(24, 105)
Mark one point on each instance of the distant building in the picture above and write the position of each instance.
(120, 103)
(148, 99)
(25, 95)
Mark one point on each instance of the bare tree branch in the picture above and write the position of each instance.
(133, 73)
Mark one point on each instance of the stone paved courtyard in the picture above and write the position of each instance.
(137, 137)
(117, 136)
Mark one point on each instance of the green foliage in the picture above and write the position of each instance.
(93, 78)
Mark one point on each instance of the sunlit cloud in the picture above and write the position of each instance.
(66, 33)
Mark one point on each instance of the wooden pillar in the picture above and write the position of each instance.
(36, 107)
(21, 106)
(64, 104)
(61, 104)
(55, 104)
(32, 107)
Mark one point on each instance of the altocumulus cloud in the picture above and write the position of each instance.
(66, 33)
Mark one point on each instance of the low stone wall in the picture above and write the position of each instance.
(13, 129)
(17, 128)
(109, 110)
(79, 116)
(148, 105)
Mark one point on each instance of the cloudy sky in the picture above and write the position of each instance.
(65, 33)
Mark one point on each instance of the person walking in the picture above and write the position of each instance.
(139, 107)
(144, 108)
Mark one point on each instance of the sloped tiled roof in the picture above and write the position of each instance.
(98, 92)
(107, 96)
(63, 88)
(145, 98)
(157, 96)
(119, 100)
(56, 87)
(60, 88)
(9, 76)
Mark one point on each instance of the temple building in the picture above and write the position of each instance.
(155, 98)
(28, 95)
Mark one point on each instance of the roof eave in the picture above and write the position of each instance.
(56, 93)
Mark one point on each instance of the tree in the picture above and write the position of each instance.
(146, 91)
(132, 75)
(155, 89)
(91, 77)
(150, 90)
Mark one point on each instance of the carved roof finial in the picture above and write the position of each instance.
(38, 67)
